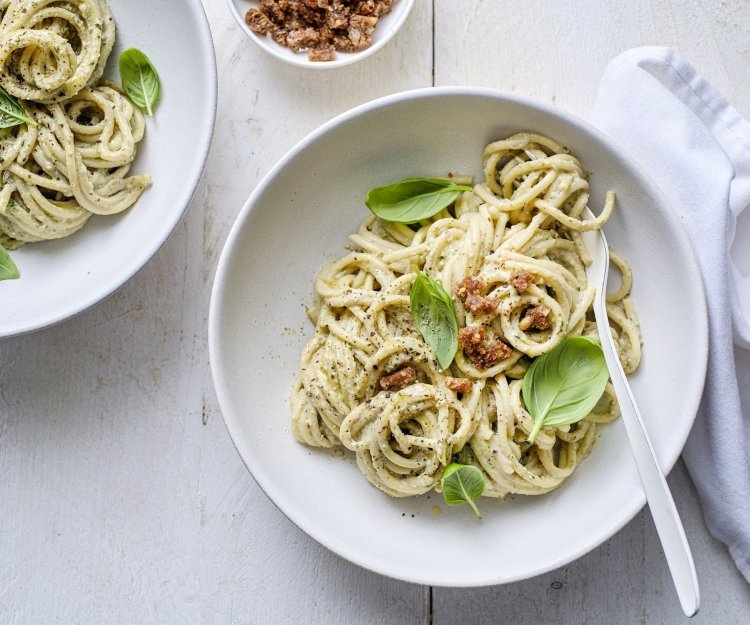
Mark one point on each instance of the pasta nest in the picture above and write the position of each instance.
(73, 164)
(52, 49)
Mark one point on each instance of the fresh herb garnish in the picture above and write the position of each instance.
(562, 386)
(11, 112)
(413, 199)
(462, 483)
(433, 314)
(139, 79)
(8, 269)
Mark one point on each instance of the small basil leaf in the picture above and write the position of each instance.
(8, 269)
(11, 112)
(433, 313)
(562, 386)
(462, 483)
(139, 79)
(413, 199)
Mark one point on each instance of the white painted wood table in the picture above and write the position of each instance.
(122, 499)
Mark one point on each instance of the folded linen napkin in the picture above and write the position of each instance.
(697, 149)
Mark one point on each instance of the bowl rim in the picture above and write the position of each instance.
(342, 58)
(203, 144)
(216, 359)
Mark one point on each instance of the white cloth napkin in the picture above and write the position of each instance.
(697, 149)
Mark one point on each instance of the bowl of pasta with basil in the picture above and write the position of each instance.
(92, 139)
(403, 344)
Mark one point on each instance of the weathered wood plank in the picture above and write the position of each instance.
(557, 51)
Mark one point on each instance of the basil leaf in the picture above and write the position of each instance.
(139, 79)
(8, 269)
(433, 314)
(562, 386)
(11, 112)
(413, 199)
(462, 483)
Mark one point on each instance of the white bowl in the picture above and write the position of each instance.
(62, 278)
(299, 217)
(387, 26)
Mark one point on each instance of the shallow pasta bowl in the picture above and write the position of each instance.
(64, 277)
(299, 217)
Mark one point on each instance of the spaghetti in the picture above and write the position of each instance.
(75, 161)
(511, 255)
(51, 49)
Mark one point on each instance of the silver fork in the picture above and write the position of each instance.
(660, 502)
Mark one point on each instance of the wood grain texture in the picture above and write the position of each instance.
(122, 498)
(557, 51)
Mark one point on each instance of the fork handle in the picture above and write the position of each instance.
(665, 515)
